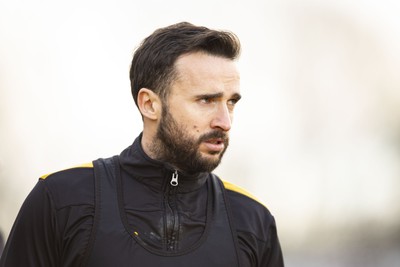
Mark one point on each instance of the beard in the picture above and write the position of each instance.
(175, 146)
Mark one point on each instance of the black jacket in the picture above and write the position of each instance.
(54, 225)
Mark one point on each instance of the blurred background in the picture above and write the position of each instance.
(316, 136)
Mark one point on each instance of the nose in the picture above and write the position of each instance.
(222, 119)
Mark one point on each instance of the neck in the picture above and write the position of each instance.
(147, 144)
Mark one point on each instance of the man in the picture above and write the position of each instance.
(157, 203)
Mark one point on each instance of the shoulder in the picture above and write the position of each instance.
(244, 198)
(255, 227)
(72, 186)
(230, 187)
(249, 214)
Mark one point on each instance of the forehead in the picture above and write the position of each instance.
(203, 71)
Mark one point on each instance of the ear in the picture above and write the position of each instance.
(149, 104)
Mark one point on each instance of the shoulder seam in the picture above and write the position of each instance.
(232, 187)
(85, 165)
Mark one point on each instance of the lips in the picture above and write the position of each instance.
(215, 144)
(215, 141)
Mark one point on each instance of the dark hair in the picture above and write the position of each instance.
(153, 62)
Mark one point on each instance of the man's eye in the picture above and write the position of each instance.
(206, 100)
(233, 102)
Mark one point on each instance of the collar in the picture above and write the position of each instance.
(138, 165)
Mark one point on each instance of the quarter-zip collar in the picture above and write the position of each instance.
(137, 164)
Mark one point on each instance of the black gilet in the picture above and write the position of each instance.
(113, 245)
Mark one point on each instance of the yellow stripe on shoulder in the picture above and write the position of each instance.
(240, 190)
(85, 165)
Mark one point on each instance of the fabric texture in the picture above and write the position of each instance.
(55, 225)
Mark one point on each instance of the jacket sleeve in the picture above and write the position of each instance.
(272, 254)
(261, 250)
(32, 240)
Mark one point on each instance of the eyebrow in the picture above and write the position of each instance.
(237, 96)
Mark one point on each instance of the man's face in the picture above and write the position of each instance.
(193, 132)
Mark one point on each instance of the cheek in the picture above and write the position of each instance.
(194, 120)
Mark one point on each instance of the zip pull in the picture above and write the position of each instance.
(174, 180)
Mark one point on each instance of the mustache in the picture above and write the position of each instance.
(212, 135)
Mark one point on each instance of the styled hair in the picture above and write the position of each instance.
(153, 61)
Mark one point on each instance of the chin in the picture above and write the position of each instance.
(212, 154)
(213, 158)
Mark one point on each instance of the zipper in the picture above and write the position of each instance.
(171, 214)
(174, 179)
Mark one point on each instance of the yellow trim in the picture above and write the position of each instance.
(240, 190)
(85, 165)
